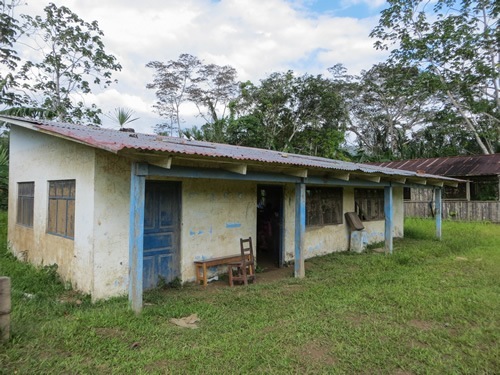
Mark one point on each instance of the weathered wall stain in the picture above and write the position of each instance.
(53, 159)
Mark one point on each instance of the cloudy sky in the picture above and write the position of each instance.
(257, 37)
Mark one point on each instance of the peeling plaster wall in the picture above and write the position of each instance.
(40, 158)
(399, 212)
(376, 229)
(320, 240)
(111, 226)
(215, 215)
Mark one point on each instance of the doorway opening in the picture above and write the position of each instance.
(270, 226)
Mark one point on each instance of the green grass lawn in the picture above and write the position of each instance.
(431, 307)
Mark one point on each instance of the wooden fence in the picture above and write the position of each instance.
(457, 210)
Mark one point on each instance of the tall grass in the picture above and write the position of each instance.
(431, 307)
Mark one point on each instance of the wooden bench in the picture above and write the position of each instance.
(202, 265)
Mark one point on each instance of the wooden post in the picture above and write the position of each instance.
(389, 218)
(5, 306)
(300, 228)
(438, 212)
(136, 234)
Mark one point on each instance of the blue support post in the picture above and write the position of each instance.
(136, 234)
(438, 211)
(389, 218)
(300, 228)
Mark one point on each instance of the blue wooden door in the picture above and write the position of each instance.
(161, 232)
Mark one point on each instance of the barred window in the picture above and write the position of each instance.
(61, 219)
(369, 204)
(25, 203)
(323, 206)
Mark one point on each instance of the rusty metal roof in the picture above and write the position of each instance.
(117, 142)
(456, 166)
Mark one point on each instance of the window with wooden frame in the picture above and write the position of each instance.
(61, 219)
(25, 203)
(323, 206)
(369, 204)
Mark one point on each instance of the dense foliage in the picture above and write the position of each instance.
(457, 41)
(68, 58)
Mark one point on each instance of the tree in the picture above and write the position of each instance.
(387, 105)
(171, 81)
(457, 40)
(72, 58)
(212, 90)
(292, 114)
(209, 87)
(9, 32)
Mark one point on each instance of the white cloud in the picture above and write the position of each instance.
(373, 4)
(257, 37)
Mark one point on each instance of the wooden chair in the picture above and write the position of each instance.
(244, 269)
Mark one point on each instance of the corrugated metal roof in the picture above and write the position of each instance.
(456, 166)
(117, 141)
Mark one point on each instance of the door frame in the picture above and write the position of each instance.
(281, 222)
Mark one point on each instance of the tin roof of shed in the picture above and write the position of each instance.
(119, 142)
(456, 166)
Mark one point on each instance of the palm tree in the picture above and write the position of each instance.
(122, 116)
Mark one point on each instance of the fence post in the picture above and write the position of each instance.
(439, 212)
(5, 306)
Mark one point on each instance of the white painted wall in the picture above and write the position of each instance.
(40, 158)
(111, 225)
(320, 240)
(215, 215)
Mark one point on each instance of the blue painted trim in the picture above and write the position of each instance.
(300, 228)
(141, 169)
(438, 211)
(389, 218)
(220, 174)
(233, 225)
(136, 236)
(335, 182)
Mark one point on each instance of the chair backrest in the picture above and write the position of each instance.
(246, 249)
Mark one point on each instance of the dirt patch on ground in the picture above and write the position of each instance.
(415, 344)
(273, 274)
(356, 319)
(315, 353)
(267, 275)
